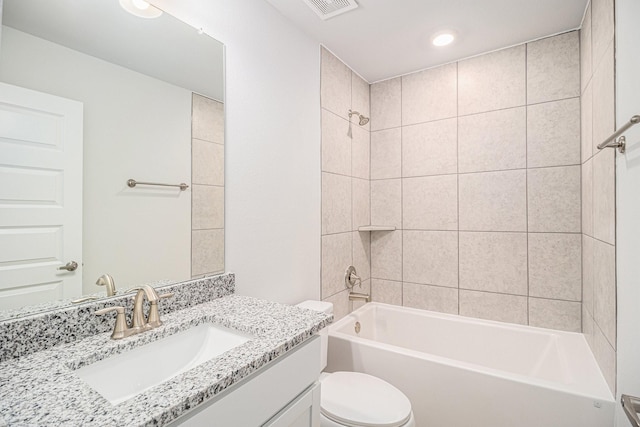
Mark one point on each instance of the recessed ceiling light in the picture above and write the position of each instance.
(140, 8)
(442, 39)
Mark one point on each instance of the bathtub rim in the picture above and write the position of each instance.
(598, 391)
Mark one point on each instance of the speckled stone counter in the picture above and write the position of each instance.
(41, 388)
(36, 331)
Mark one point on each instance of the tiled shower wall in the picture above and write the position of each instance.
(345, 181)
(598, 185)
(207, 190)
(477, 165)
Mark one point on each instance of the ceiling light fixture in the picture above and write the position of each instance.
(443, 39)
(140, 8)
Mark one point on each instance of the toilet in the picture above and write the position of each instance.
(353, 399)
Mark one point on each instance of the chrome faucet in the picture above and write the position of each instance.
(107, 281)
(138, 321)
(351, 279)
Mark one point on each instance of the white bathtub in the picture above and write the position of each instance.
(459, 372)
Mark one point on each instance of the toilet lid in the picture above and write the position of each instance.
(352, 398)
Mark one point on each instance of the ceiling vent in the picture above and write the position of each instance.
(326, 9)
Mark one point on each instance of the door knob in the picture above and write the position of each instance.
(70, 266)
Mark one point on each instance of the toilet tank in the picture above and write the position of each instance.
(323, 307)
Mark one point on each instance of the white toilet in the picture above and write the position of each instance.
(353, 399)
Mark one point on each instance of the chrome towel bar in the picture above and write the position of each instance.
(132, 183)
(620, 143)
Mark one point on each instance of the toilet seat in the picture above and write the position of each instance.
(356, 399)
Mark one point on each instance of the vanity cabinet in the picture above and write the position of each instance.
(284, 393)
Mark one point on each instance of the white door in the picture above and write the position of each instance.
(40, 197)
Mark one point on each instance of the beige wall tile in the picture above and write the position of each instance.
(386, 255)
(494, 262)
(386, 154)
(493, 81)
(386, 291)
(430, 257)
(386, 104)
(430, 95)
(605, 355)
(553, 133)
(335, 86)
(585, 48)
(336, 203)
(554, 199)
(361, 247)
(603, 99)
(500, 307)
(553, 314)
(207, 251)
(386, 202)
(207, 207)
(587, 273)
(604, 283)
(493, 141)
(336, 145)
(430, 203)
(602, 27)
(587, 197)
(360, 97)
(604, 196)
(433, 298)
(207, 119)
(553, 68)
(207, 163)
(336, 257)
(555, 268)
(341, 305)
(430, 148)
(588, 328)
(493, 201)
(361, 192)
(586, 122)
(360, 152)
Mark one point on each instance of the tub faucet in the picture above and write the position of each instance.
(356, 296)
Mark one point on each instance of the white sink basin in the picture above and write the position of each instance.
(122, 377)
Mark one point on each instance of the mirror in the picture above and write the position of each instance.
(91, 97)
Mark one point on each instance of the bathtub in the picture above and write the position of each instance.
(459, 372)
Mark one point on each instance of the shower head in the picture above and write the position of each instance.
(363, 120)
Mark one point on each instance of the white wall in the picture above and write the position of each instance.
(272, 221)
(134, 127)
(628, 202)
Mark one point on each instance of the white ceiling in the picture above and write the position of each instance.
(163, 48)
(387, 38)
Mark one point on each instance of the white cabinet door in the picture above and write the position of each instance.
(40, 196)
(302, 412)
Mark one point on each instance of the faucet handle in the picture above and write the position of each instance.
(154, 315)
(120, 329)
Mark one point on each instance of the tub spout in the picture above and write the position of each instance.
(355, 296)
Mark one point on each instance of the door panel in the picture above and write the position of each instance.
(40, 196)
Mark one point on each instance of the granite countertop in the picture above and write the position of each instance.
(41, 388)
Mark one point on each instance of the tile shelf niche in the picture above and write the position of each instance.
(377, 228)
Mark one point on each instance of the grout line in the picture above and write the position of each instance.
(458, 170)
(526, 176)
(401, 201)
(474, 172)
(458, 116)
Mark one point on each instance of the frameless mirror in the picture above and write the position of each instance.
(91, 97)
